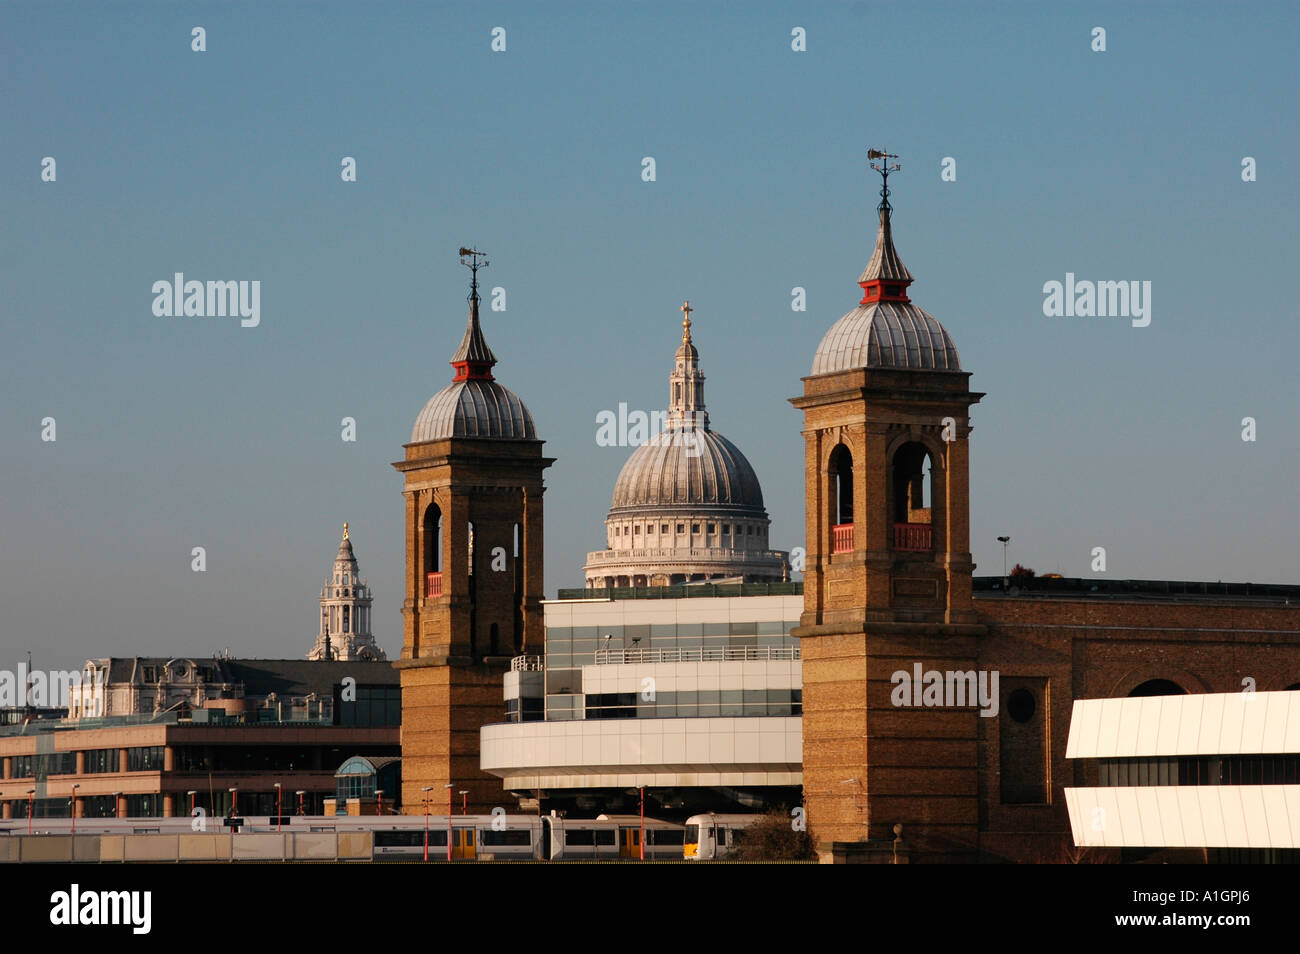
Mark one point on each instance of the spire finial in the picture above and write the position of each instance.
(345, 529)
(884, 168)
(686, 310)
(476, 260)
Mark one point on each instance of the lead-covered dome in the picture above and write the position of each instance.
(474, 408)
(886, 335)
(691, 465)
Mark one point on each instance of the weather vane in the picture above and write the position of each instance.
(884, 168)
(473, 260)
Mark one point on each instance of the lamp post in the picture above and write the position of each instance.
(379, 794)
(300, 793)
(277, 806)
(75, 786)
(234, 805)
(427, 789)
(450, 788)
(116, 796)
(464, 801)
(191, 793)
(1004, 541)
(31, 807)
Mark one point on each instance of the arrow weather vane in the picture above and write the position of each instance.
(473, 260)
(884, 168)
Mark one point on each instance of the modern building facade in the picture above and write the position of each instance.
(1212, 776)
(698, 699)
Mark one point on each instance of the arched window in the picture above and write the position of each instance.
(840, 470)
(347, 619)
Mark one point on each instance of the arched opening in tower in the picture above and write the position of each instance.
(841, 502)
(912, 498)
(433, 551)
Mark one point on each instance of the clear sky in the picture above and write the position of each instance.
(174, 433)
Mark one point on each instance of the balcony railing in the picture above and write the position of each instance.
(527, 664)
(842, 538)
(433, 588)
(619, 657)
(913, 536)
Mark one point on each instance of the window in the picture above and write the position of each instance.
(711, 526)
(148, 673)
(664, 528)
(681, 527)
(695, 528)
(99, 761)
(147, 758)
(726, 528)
(637, 529)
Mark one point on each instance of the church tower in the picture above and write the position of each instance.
(345, 602)
(887, 583)
(473, 490)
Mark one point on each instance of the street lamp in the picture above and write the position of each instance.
(427, 789)
(278, 819)
(1004, 541)
(31, 807)
(75, 786)
(191, 793)
(116, 796)
(450, 787)
(464, 801)
(300, 793)
(379, 794)
(234, 803)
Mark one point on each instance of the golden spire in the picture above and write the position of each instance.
(686, 322)
(345, 530)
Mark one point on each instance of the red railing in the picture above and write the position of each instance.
(913, 536)
(842, 538)
(434, 587)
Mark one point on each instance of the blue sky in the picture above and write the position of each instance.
(183, 432)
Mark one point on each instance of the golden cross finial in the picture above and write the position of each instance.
(686, 322)
(345, 530)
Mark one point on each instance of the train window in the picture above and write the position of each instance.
(605, 837)
(511, 836)
(665, 836)
(579, 836)
(692, 835)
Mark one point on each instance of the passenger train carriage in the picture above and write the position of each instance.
(708, 837)
(402, 837)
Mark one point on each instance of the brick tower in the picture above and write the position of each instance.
(473, 489)
(888, 577)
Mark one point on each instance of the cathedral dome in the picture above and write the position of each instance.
(687, 465)
(687, 505)
(474, 408)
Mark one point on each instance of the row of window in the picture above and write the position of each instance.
(525, 710)
(374, 706)
(1201, 770)
(702, 704)
(741, 529)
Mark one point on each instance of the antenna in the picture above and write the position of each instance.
(884, 168)
(473, 259)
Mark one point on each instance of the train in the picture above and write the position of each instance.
(403, 837)
(711, 836)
